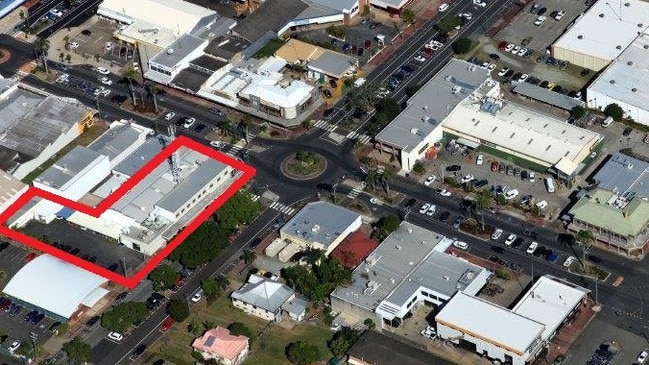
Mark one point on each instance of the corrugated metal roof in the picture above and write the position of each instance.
(544, 95)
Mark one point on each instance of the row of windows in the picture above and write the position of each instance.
(197, 197)
(158, 69)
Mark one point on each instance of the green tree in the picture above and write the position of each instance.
(302, 353)
(178, 310)
(369, 322)
(418, 168)
(211, 289)
(42, 46)
(578, 112)
(366, 11)
(585, 237)
(68, 58)
(483, 200)
(462, 46)
(124, 315)
(614, 111)
(449, 23)
(78, 351)
(408, 16)
(163, 277)
(343, 340)
(195, 328)
(240, 329)
(202, 245)
(317, 279)
(389, 107)
(386, 225)
(129, 74)
(249, 256)
(239, 209)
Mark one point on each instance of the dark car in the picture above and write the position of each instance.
(535, 7)
(30, 315)
(216, 111)
(541, 251)
(75, 251)
(498, 260)
(497, 249)
(113, 267)
(138, 351)
(594, 259)
(120, 298)
(585, 72)
(542, 11)
(454, 168)
(37, 318)
(444, 216)
(518, 242)
(627, 131)
(481, 183)
(158, 362)
(458, 222)
(494, 57)
(86, 32)
(200, 128)
(91, 322)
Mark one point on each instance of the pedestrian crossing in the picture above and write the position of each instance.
(234, 150)
(322, 124)
(282, 208)
(354, 193)
(362, 138)
(254, 197)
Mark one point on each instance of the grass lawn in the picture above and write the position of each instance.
(84, 139)
(174, 346)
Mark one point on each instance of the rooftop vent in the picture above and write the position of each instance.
(634, 89)
(580, 37)
(601, 15)
(170, 51)
(630, 63)
(612, 81)
(618, 47)
(627, 4)
(646, 46)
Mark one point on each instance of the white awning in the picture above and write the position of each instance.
(566, 166)
(468, 143)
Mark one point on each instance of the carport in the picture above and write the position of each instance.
(546, 96)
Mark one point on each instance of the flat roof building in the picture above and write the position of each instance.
(624, 175)
(547, 96)
(600, 34)
(407, 268)
(10, 190)
(317, 59)
(120, 140)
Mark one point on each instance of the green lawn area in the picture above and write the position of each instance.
(83, 140)
(174, 346)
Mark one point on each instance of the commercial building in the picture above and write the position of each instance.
(374, 348)
(391, 6)
(58, 289)
(408, 269)
(318, 60)
(220, 345)
(10, 190)
(625, 82)
(354, 249)
(268, 299)
(121, 139)
(8, 6)
(600, 34)
(516, 336)
(36, 126)
(320, 225)
(414, 132)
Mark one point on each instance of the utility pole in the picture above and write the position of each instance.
(33, 336)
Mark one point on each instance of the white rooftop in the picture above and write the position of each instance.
(55, 286)
(627, 78)
(491, 322)
(550, 301)
(606, 28)
(275, 94)
(524, 131)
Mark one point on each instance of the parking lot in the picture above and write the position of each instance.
(91, 246)
(95, 38)
(522, 29)
(599, 332)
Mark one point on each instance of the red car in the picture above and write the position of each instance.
(30, 256)
(166, 324)
(502, 45)
(494, 166)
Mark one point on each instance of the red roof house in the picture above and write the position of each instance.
(354, 249)
(219, 344)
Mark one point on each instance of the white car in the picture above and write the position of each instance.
(196, 298)
(73, 45)
(429, 180)
(63, 78)
(424, 208)
(542, 204)
(467, 16)
(509, 47)
(532, 176)
(510, 239)
(420, 58)
(467, 178)
(105, 93)
(480, 3)
(523, 77)
(559, 15)
(98, 91)
(461, 245)
(375, 201)
(443, 7)
(569, 261)
(14, 346)
(56, 12)
(503, 71)
(532, 248)
(511, 194)
(522, 51)
(480, 159)
(540, 20)
(497, 233)
(491, 66)
(431, 210)
(170, 115)
(515, 49)
(642, 357)
(102, 70)
(445, 193)
(115, 336)
(216, 144)
(109, 46)
(105, 80)
(189, 122)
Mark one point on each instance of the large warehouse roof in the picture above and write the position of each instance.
(550, 301)
(523, 132)
(179, 16)
(495, 324)
(432, 104)
(56, 286)
(606, 28)
(624, 174)
(627, 79)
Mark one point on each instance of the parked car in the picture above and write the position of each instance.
(569, 261)
(170, 116)
(14, 346)
(115, 336)
(444, 216)
(510, 239)
(197, 297)
(627, 131)
(138, 351)
(102, 70)
(458, 222)
(497, 233)
(431, 210)
(445, 193)
(461, 245)
(532, 247)
(454, 168)
(642, 357)
(424, 208)
(480, 159)
(429, 180)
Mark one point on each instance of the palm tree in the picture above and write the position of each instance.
(386, 177)
(249, 256)
(584, 238)
(42, 46)
(222, 282)
(483, 200)
(153, 89)
(129, 75)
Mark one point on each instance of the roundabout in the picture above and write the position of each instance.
(303, 165)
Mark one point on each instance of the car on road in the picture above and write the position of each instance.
(424, 208)
(431, 210)
(445, 193)
(113, 267)
(444, 216)
(138, 352)
(197, 297)
(642, 357)
(14, 346)
(498, 249)
(569, 261)
(189, 122)
(216, 144)
(429, 180)
(480, 159)
(458, 222)
(115, 336)
(443, 7)
(510, 239)
(454, 168)
(497, 234)
(466, 16)
(461, 245)
(532, 247)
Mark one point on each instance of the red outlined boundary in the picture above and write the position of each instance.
(130, 281)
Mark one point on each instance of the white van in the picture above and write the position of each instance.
(549, 184)
(443, 7)
(607, 122)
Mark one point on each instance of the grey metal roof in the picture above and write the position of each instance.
(189, 187)
(271, 16)
(115, 140)
(178, 50)
(624, 174)
(68, 167)
(211, 26)
(320, 222)
(432, 104)
(191, 79)
(140, 157)
(544, 95)
(296, 306)
(401, 264)
(379, 349)
(316, 10)
(225, 47)
(208, 62)
(338, 5)
(333, 63)
(263, 293)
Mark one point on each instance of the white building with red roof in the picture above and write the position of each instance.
(225, 348)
